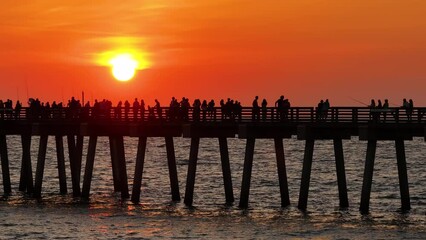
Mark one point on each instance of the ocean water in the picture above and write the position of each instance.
(105, 215)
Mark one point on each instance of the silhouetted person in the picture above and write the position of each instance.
(379, 110)
(159, 110)
(204, 108)
(237, 110)
(406, 106)
(385, 109)
(410, 109)
(196, 109)
(18, 108)
(126, 110)
(286, 108)
(211, 110)
(320, 107)
(184, 107)
(372, 107)
(279, 105)
(85, 112)
(136, 107)
(222, 109)
(255, 114)
(9, 108)
(325, 109)
(264, 109)
(117, 112)
(142, 106)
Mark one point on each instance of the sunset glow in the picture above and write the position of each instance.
(123, 67)
(303, 49)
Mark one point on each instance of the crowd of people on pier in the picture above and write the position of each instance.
(380, 111)
(179, 110)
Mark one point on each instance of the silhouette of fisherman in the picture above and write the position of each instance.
(372, 106)
(264, 109)
(18, 108)
(255, 114)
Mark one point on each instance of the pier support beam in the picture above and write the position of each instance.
(118, 162)
(89, 166)
(192, 168)
(61, 164)
(74, 165)
(5, 165)
(40, 166)
(137, 180)
(402, 174)
(368, 176)
(121, 160)
(26, 179)
(114, 164)
(226, 169)
(248, 165)
(79, 156)
(306, 174)
(171, 162)
(340, 172)
(282, 172)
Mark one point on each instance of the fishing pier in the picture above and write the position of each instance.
(309, 125)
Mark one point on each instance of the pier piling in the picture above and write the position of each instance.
(306, 174)
(40, 166)
(368, 176)
(171, 162)
(61, 164)
(140, 160)
(282, 172)
(248, 165)
(5, 165)
(402, 174)
(74, 165)
(114, 163)
(121, 160)
(226, 169)
(89, 167)
(340, 172)
(192, 168)
(26, 179)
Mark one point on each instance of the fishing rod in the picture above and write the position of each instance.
(353, 99)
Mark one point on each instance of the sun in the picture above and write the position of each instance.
(123, 67)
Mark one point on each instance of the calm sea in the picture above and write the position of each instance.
(58, 216)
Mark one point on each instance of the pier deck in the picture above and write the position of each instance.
(306, 123)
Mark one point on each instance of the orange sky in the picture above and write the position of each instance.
(304, 49)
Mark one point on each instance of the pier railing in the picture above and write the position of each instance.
(244, 115)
